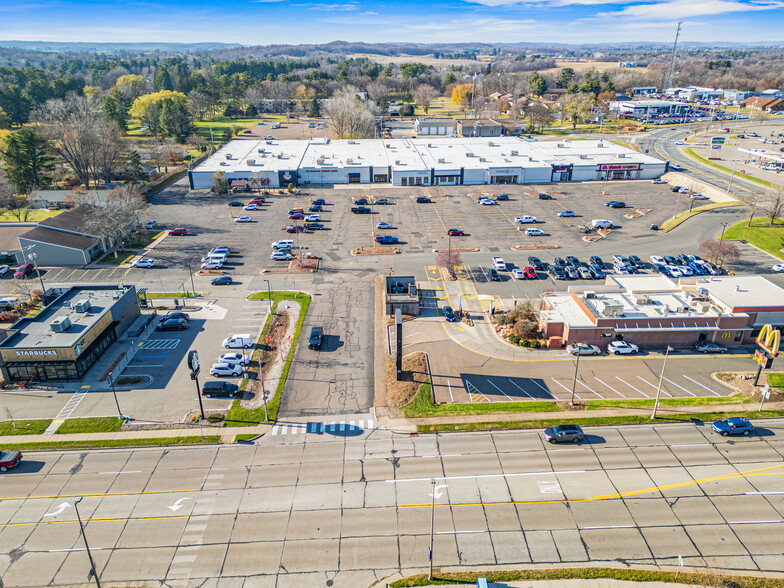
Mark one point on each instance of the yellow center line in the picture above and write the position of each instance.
(435, 208)
(748, 473)
(97, 520)
(101, 495)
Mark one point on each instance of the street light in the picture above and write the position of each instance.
(34, 257)
(193, 286)
(86, 546)
(721, 242)
(661, 379)
(269, 294)
(576, 367)
(111, 383)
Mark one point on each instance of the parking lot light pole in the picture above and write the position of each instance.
(721, 243)
(263, 390)
(193, 286)
(86, 546)
(198, 395)
(111, 383)
(576, 368)
(661, 378)
(432, 526)
(269, 294)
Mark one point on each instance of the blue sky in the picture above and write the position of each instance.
(261, 22)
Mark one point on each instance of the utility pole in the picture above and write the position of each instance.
(668, 80)
(432, 525)
(193, 286)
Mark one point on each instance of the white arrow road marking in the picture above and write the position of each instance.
(60, 508)
(437, 491)
(177, 506)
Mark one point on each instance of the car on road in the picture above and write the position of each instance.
(455, 232)
(296, 215)
(281, 256)
(225, 369)
(680, 142)
(563, 433)
(210, 389)
(779, 267)
(543, 196)
(518, 274)
(313, 218)
(24, 270)
(615, 204)
(236, 203)
(525, 219)
(698, 197)
(710, 348)
(566, 213)
(221, 281)
(318, 202)
(383, 225)
(9, 459)
(733, 426)
(530, 273)
(386, 239)
(534, 232)
(583, 349)
(676, 167)
(172, 325)
(557, 272)
(449, 314)
(143, 262)
(658, 181)
(251, 207)
(315, 208)
(536, 263)
(238, 358)
(316, 337)
(179, 232)
(423, 200)
(243, 219)
(622, 348)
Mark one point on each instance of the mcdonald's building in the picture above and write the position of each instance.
(653, 311)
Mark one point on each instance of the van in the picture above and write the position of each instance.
(600, 223)
(8, 303)
(240, 341)
(24, 270)
(210, 389)
(283, 244)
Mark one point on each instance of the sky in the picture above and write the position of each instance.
(263, 22)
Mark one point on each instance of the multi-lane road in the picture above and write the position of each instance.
(339, 502)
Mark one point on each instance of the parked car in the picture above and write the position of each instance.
(449, 314)
(176, 315)
(601, 223)
(240, 341)
(315, 208)
(318, 202)
(221, 249)
(455, 232)
(572, 260)
(296, 216)
(494, 275)
(238, 358)
(615, 204)
(212, 265)
(710, 348)
(313, 218)
(657, 259)
(571, 272)
(635, 261)
(210, 389)
(486, 202)
(295, 228)
(423, 200)
(362, 201)
(172, 325)
(283, 244)
(281, 256)
(236, 203)
(597, 272)
(518, 274)
(243, 219)
(525, 219)
(258, 200)
(536, 263)
(24, 270)
(596, 260)
(150, 224)
(314, 226)
(144, 262)
(383, 225)
(4, 269)
(585, 273)
(563, 433)
(178, 232)
(9, 459)
(559, 261)
(583, 349)
(530, 273)
(658, 181)
(251, 207)
(502, 197)
(622, 348)
(566, 213)
(385, 239)
(381, 201)
(316, 337)
(557, 272)
(620, 260)
(225, 369)
(733, 426)
(221, 281)
(534, 232)
(543, 196)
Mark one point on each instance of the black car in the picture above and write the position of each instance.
(360, 201)
(175, 315)
(543, 196)
(423, 200)
(210, 389)
(314, 226)
(314, 340)
(675, 189)
(172, 325)
(683, 259)
(236, 203)
(670, 260)
(502, 197)
(559, 261)
(536, 263)
(557, 272)
(494, 275)
(596, 260)
(315, 208)
(449, 314)
(221, 281)
(615, 204)
(319, 202)
(596, 271)
(572, 260)
(635, 261)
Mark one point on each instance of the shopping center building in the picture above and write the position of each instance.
(65, 339)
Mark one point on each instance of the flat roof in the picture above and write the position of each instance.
(641, 283)
(36, 332)
(417, 154)
(746, 292)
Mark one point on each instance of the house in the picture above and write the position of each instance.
(59, 198)
(479, 128)
(764, 103)
(441, 127)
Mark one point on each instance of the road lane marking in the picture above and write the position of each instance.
(608, 386)
(475, 394)
(550, 394)
(611, 527)
(701, 386)
(663, 391)
(763, 493)
(102, 495)
(753, 522)
(128, 472)
(478, 476)
(458, 532)
(101, 520)
(98, 274)
(50, 278)
(74, 549)
(632, 387)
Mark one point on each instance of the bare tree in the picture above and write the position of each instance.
(424, 95)
(378, 92)
(449, 260)
(118, 219)
(14, 203)
(538, 115)
(196, 141)
(350, 118)
(110, 152)
(774, 204)
(280, 94)
(720, 251)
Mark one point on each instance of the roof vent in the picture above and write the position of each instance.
(82, 305)
(590, 295)
(60, 324)
(251, 161)
(514, 152)
(442, 160)
(228, 156)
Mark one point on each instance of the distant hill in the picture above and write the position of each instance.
(66, 47)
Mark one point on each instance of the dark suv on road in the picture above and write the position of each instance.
(316, 336)
(210, 389)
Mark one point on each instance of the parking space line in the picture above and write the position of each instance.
(700, 385)
(681, 387)
(608, 386)
(591, 389)
(72, 273)
(49, 278)
(654, 386)
(546, 391)
(632, 387)
(565, 388)
(474, 393)
(519, 388)
(449, 385)
(499, 389)
(98, 273)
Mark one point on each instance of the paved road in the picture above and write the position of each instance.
(318, 501)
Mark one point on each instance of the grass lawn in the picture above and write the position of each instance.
(679, 218)
(166, 295)
(35, 427)
(689, 151)
(90, 425)
(776, 380)
(142, 239)
(760, 234)
(117, 258)
(153, 442)
(33, 216)
(422, 406)
(648, 402)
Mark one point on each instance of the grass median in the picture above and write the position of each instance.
(690, 152)
(30, 427)
(93, 444)
(90, 425)
(762, 234)
(679, 218)
(422, 406)
(648, 402)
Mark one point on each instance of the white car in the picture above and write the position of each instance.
(224, 250)
(144, 262)
(251, 207)
(225, 369)
(680, 142)
(658, 181)
(518, 274)
(281, 256)
(209, 265)
(4, 269)
(698, 197)
(237, 358)
(622, 348)
(525, 219)
(243, 219)
(657, 259)
(779, 267)
(534, 232)
(684, 190)
(383, 225)
(313, 218)
(222, 257)
(486, 202)
(686, 270)
(675, 271)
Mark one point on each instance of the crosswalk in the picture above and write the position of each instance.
(161, 344)
(351, 427)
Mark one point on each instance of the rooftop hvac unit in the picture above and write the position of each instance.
(251, 161)
(583, 157)
(621, 155)
(612, 309)
(490, 144)
(397, 162)
(601, 144)
(703, 306)
(442, 161)
(349, 161)
(702, 291)
(561, 145)
(224, 163)
(82, 305)
(60, 324)
(642, 299)
(228, 156)
(590, 295)
(352, 142)
(514, 152)
(469, 154)
(482, 159)
(260, 149)
(320, 161)
(269, 142)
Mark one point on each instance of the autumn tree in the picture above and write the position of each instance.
(461, 96)
(220, 184)
(14, 203)
(131, 85)
(720, 251)
(148, 108)
(424, 95)
(449, 259)
(577, 107)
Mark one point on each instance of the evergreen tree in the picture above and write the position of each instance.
(26, 158)
(175, 120)
(112, 110)
(315, 109)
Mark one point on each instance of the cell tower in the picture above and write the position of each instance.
(668, 81)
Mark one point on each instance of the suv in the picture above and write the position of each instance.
(225, 369)
(622, 348)
(316, 336)
(423, 200)
(502, 197)
(24, 270)
(210, 389)
(176, 324)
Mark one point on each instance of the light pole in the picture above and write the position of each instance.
(661, 379)
(193, 286)
(263, 390)
(111, 383)
(86, 546)
(432, 525)
(34, 257)
(721, 244)
(576, 367)
(269, 295)
(732, 177)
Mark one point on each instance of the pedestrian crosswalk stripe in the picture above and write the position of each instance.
(321, 427)
(160, 344)
(475, 394)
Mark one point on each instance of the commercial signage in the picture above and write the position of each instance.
(319, 171)
(718, 140)
(25, 352)
(618, 166)
(769, 339)
(762, 359)
(561, 168)
(715, 146)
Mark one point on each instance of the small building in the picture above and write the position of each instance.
(401, 293)
(479, 128)
(65, 339)
(10, 250)
(643, 90)
(649, 107)
(439, 127)
(764, 103)
(59, 198)
(63, 239)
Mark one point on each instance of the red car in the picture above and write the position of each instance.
(455, 233)
(296, 216)
(258, 201)
(530, 273)
(179, 231)
(295, 229)
(9, 459)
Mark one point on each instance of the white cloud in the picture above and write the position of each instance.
(369, 13)
(682, 9)
(330, 7)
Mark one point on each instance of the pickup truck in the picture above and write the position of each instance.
(9, 459)
(499, 264)
(360, 210)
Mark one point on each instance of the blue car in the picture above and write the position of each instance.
(733, 426)
(386, 239)
(698, 269)
(319, 202)
(449, 314)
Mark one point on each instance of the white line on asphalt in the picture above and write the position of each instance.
(499, 389)
(565, 388)
(700, 385)
(145, 365)
(591, 389)
(550, 394)
(519, 388)
(612, 527)
(610, 387)
(411, 334)
(74, 549)
(451, 399)
(688, 444)
(128, 472)
(440, 455)
(474, 477)
(457, 532)
(654, 386)
(408, 344)
(572, 449)
(632, 387)
(763, 493)
(681, 387)
(753, 522)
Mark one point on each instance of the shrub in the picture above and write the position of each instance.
(514, 339)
